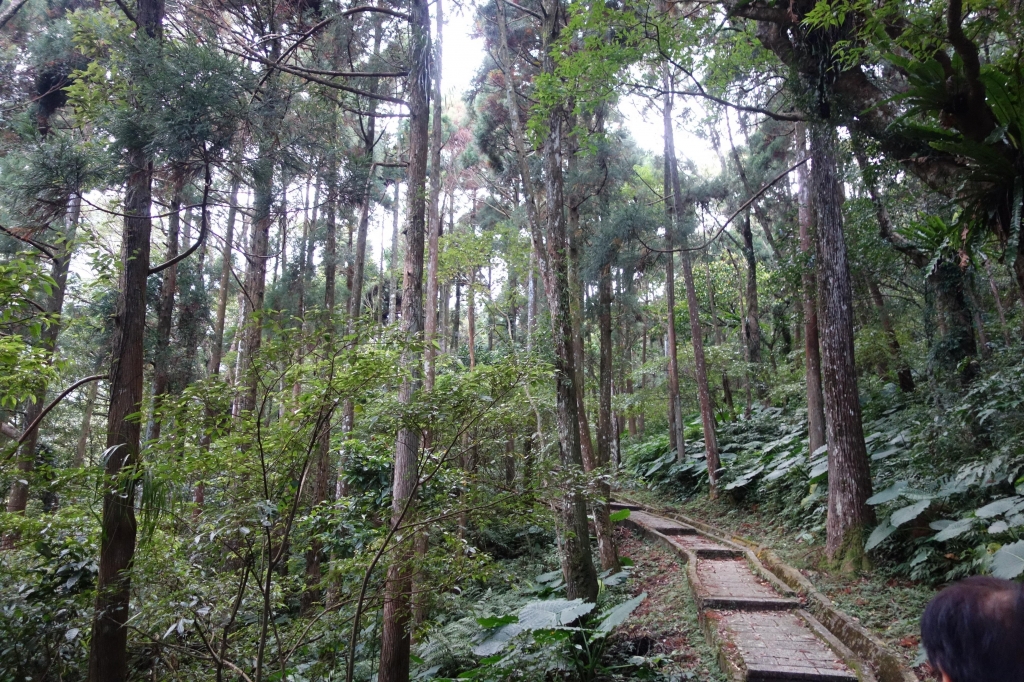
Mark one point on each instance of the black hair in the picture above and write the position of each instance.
(974, 630)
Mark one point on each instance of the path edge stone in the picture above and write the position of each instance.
(856, 639)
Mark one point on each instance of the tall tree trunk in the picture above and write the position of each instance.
(577, 564)
(577, 304)
(314, 556)
(812, 349)
(471, 317)
(82, 448)
(393, 287)
(751, 321)
(849, 477)
(903, 374)
(605, 436)
(255, 278)
(707, 412)
(719, 337)
(217, 343)
(165, 308)
(395, 636)
(675, 410)
(17, 500)
(108, 647)
(551, 245)
(430, 329)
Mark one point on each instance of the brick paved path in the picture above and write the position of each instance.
(758, 623)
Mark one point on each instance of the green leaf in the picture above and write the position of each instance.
(1008, 563)
(553, 613)
(909, 513)
(954, 529)
(548, 577)
(620, 515)
(889, 494)
(996, 508)
(496, 621)
(620, 613)
(625, 561)
(885, 453)
(879, 534)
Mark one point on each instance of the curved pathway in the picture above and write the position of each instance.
(763, 628)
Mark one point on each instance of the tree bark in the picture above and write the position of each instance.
(849, 478)
(314, 555)
(395, 635)
(812, 348)
(430, 329)
(17, 500)
(551, 246)
(217, 343)
(165, 308)
(605, 436)
(707, 412)
(903, 374)
(751, 321)
(82, 448)
(675, 412)
(108, 647)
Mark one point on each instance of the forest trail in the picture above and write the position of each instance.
(761, 627)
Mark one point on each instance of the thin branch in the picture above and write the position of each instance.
(205, 225)
(735, 213)
(45, 248)
(46, 410)
(9, 13)
(128, 13)
(302, 73)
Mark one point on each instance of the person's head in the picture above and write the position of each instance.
(973, 631)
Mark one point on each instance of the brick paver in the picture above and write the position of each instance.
(780, 646)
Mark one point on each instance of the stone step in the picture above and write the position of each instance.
(779, 646)
(758, 625)
(733, 579)
(705, 548)
(661, 525)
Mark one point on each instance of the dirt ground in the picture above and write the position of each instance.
(664, 629)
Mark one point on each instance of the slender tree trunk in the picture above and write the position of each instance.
(605, 436)
(643, 375)
(903, 374)
(395, 636)
(456, 315)
(430, 330)
(165, 309)
(17, 500)
(751, 322)
(577, 564)
(108, 646)
(471, 317)
(590, 459)
(719, 337)
(255, 278)
(217, 343)
(551, 245)
(393, 303)
(675, 411)
(812, 350)
(697, 336)
(998, 300)
(314, 555)
(849, 479)
(82, 449)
